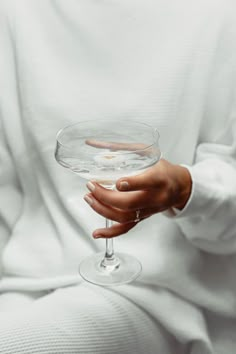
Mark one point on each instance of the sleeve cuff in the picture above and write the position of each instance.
(174, 212)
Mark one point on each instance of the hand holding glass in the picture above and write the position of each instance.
(104, 151)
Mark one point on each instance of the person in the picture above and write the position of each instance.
(171, 65)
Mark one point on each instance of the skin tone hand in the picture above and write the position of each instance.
(113, 146)
(161, 187)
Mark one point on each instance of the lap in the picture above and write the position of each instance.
(79, 319)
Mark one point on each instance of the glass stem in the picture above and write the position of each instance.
(110, 262)
(109, 243)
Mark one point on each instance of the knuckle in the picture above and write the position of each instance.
(122, 218)
(163, 182)
(129, 205)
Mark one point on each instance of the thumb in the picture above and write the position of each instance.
(143, 181)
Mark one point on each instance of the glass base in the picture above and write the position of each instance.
(120, 269)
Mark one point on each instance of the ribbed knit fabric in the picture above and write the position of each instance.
(80, 319)
(171, 64)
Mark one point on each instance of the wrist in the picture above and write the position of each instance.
(184, 182)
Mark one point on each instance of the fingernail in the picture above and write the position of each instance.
(97, 236)
(88, 199)
(90, 186)
(124, 185)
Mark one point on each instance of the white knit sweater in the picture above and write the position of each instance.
(170, 64)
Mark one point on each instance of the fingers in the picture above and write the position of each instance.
(99, 144)
(113, 231)
(126, 220)
(115, 146)
(109, 212)
(139, 182)
(152, 178)
(118, 215)
(131, 201)
(157, 189)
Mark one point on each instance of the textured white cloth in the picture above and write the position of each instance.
(170, 64)
(79, 319)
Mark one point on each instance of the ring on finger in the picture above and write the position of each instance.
(137, 216)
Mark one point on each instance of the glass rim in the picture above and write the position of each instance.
(154, 130)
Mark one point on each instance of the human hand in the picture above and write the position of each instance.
(138, 148)
(161, 187)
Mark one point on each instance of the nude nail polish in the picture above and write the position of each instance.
(90, 186)
(124, 186)
(88, 199)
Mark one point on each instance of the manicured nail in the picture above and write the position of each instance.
(97, 236)
(90, 186)
(88, 199)
(124, 185)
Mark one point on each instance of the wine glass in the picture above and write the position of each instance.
(104, 151)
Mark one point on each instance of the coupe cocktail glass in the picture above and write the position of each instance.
(104, 151)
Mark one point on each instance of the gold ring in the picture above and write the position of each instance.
(137, 219)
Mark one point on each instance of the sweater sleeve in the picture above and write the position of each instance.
(209, 218)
